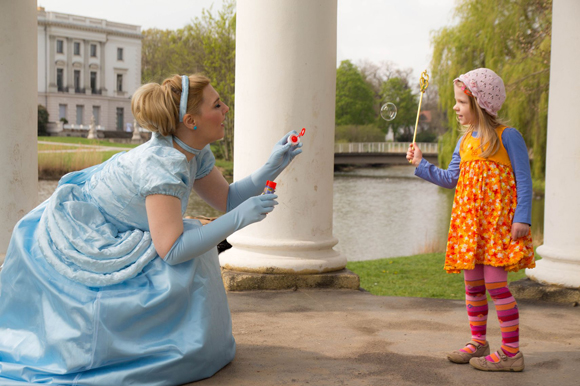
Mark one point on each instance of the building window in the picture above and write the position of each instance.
(119, 54)
(77, 80)
(97, 114)
(119, 82)
(93, 50)
(77, 48)
(120, 120)
(61, 112)
(60, 79)
(80, 111)
(94, 82)
(59, 47)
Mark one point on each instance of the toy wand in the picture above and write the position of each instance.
(423, 84)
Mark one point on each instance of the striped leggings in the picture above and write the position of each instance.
(494, 279)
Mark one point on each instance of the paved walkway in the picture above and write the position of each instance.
(342, 337)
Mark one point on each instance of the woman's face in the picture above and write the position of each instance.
(465, 115)
(212, 114)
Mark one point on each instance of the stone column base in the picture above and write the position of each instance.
(527, 289)
(246, 281)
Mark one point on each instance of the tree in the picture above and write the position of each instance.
(42, 119)
(207, 46)
(398, 92)
(218, 42)
(354, 96)
(156, 53)
(513, 38)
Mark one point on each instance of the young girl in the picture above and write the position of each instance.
(489, 234)
(105, 283)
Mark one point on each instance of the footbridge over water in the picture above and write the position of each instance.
(377, 153)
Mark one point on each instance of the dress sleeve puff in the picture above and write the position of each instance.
(205, 162)
(162, 170)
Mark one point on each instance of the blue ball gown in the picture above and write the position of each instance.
(86, 300)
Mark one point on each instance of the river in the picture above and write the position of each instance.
(378, 212)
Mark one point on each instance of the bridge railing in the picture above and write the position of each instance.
(383, 147)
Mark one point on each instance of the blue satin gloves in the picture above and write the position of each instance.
(282, 154)
(197, 239)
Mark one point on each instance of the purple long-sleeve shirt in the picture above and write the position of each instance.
(517, 151)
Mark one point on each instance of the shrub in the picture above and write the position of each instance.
(356, 133)
(42, 119)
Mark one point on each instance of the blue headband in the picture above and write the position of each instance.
(184, 94)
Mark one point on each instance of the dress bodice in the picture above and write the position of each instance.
(95, 224)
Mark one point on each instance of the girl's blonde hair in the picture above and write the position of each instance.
(156, 106)
(485, 126)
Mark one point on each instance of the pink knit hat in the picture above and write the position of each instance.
(487, 88)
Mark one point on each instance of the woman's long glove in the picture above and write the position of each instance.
(197, 240)
(282, 154)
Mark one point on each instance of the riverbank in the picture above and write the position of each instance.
(58, 156)
(413, 276)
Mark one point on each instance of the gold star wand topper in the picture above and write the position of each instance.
(423, 84)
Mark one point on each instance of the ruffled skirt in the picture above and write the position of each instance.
(481, 221)
(162, 325)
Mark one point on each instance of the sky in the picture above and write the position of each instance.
(397, 31)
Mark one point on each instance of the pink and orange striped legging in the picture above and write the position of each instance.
(494, 279)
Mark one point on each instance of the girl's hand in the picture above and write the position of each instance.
(519, 230)
(414, 155)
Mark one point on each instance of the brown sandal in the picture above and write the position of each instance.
(459, 356)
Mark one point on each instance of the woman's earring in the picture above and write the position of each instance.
(194, 127)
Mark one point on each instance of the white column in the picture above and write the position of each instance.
(18, 114)
(286, 80)
(560, 253)
(69, 67)
(51, 66)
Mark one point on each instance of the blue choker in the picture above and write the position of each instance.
(186, 147)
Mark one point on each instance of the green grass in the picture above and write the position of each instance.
(84, 141)
(42, 146)
(226, 167)
(539, 186)
(413, 276)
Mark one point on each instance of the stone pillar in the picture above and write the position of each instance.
(69, 66)
(101, 75)
(51, 63)
(86, 70)
(18, 109)
(286, 80)
(560, 253)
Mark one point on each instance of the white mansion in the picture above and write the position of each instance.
(87, 67)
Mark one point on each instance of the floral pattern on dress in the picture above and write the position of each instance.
(481, 220)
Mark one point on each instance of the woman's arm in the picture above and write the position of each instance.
(177, 240)
(213, 189)
(165, 221)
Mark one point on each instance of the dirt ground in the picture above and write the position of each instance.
(344, 337)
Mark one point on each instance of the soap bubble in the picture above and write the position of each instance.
(388, 111)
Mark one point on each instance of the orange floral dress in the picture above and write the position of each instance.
(483, 210)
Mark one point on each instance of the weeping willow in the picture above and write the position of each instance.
(513, 38)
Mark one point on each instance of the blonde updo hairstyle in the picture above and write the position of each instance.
(156, 106)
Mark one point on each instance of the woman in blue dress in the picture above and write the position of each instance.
(105, 283)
